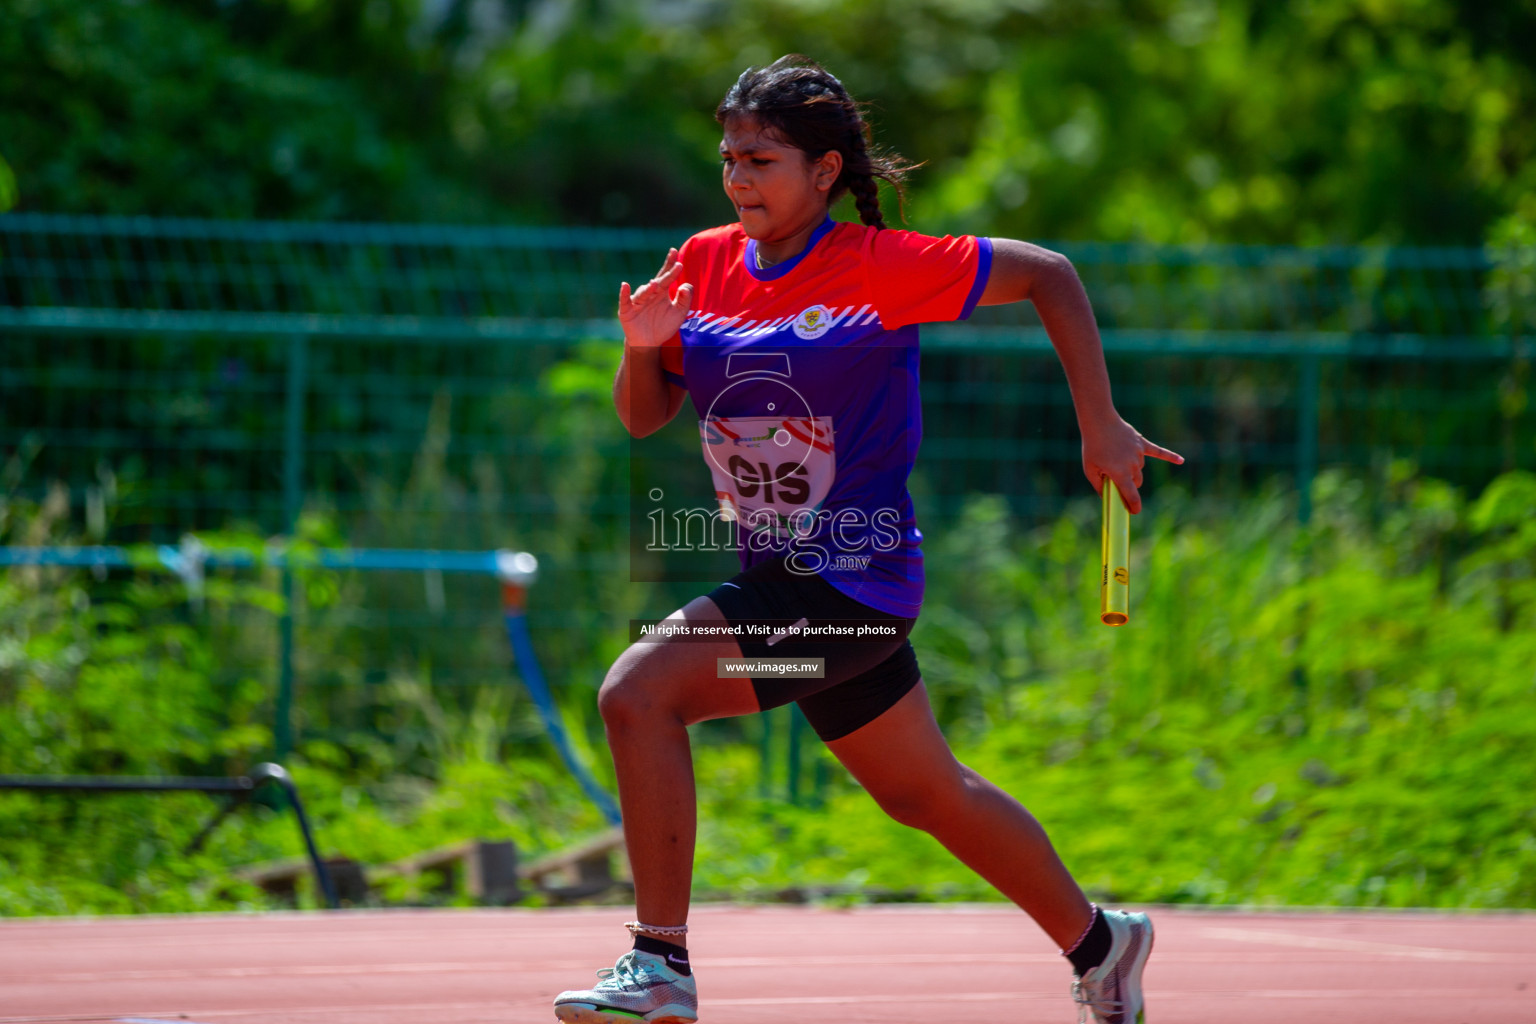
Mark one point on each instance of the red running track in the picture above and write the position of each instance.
(892, 965)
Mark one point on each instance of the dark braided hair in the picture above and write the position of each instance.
(804, 105)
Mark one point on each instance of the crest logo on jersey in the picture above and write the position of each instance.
(813, 322)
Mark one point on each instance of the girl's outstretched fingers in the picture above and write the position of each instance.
(1130, 483)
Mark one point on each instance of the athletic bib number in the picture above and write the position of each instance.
(770, 472)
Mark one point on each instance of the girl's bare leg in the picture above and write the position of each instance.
(904, 762)
(651, 695)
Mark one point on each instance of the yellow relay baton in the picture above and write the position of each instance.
(1115, 578)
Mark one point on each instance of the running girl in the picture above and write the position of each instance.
(796, 339)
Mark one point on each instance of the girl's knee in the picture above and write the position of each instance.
(640, 686)
(651, 684)
(925, 803)
(624, 698)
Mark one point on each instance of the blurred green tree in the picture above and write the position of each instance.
(1308, 121)
(142, 108)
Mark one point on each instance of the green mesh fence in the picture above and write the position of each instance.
(441, 282)
(194, 356)
(446, 387)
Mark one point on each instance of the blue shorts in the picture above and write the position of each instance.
(864, 676)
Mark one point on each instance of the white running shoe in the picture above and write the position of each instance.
(1112, 990)
(641, 986)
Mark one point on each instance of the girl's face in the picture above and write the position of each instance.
(776, 189)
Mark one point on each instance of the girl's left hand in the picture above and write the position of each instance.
(1115, 449)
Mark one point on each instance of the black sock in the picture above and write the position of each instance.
(676, 956)
(1094, 947)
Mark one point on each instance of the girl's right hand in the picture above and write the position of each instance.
(650, 316)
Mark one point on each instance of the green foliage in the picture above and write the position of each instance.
(1511, 287)
(1334, 715)
(1291, 717)
(114, 679)
(133, 108)
(1321, 716)
(1166, 120)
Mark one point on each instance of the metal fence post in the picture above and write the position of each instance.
(293, 500)
(1306, 433)
(797, 725)
(765, 753)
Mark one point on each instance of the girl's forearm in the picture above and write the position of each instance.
(641, 394)
(1064, 309)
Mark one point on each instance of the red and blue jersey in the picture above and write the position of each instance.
(804, 376)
